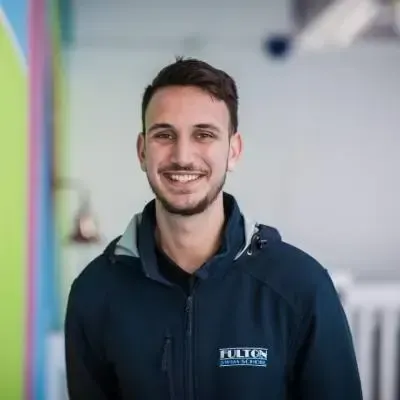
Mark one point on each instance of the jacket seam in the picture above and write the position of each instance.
(281, 295)
(301, 321)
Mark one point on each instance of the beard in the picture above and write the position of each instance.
(193, 209)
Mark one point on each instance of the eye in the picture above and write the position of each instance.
(163, 136)
(204, 135)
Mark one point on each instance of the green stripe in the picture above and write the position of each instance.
(13, 226)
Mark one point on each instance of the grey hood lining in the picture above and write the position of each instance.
(127, 244)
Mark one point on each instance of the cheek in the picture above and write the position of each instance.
(218, 168)
(153, 165)
(157, 156)
(152, 160)
(217, 159)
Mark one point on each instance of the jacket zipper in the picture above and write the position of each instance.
(189, 345)
(166, 365)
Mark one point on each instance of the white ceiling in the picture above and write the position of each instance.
(180, 24)
(127, 22)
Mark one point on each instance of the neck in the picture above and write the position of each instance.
(191, 241)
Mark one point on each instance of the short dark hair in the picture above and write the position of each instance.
(193, 72)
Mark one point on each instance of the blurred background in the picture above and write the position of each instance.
(319, 90)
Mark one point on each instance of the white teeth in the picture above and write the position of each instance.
(184, 178)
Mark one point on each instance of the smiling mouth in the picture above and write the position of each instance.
(183, 178)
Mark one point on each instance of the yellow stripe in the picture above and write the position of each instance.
(13, 207)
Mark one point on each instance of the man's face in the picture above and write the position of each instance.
(187, 148)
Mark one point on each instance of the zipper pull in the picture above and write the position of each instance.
(165, 353)
(189, 311)
(189, 302)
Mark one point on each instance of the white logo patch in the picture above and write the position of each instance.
(243, 357)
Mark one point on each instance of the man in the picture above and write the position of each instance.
(195, 301)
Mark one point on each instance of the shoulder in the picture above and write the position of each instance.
(91, 286)
(95, 281)
(293, 274)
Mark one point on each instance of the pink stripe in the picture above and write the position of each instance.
(35, 71)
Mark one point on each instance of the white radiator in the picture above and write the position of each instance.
(373, 312)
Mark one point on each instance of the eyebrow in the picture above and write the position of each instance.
(164, 125)
(160, 126)
(208, 127)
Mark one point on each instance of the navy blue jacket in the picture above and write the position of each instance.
(261, 321)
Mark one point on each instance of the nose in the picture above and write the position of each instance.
(182, 151)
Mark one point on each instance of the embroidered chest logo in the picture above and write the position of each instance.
(243, 357)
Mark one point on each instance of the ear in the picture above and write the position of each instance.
(235, 150)
(141, 150)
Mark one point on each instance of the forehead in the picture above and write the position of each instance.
(183, 106)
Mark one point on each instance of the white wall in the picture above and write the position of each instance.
(322, 148)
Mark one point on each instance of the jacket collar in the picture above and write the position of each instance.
(139, 240)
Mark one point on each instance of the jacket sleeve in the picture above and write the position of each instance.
(325, 365)
(87, 374)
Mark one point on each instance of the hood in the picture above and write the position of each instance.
(127, 244)
(242, 235)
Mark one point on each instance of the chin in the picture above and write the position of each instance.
(184, 201)
(185, 207)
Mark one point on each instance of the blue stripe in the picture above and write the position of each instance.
(17, 14)
(46, 293)
(46, 296)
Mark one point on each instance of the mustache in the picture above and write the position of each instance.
(176, 167)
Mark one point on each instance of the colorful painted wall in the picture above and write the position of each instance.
(14, 145)
(29, 128)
